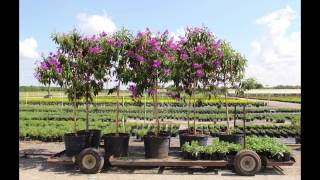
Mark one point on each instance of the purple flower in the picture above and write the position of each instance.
(221, 54)
(103, 34)
(58, 69)
(94, 50)
(182, 40)
(133, 91)
(53, 61)
(216, 45)
(130, 53)
(184, 56)
(140, 58)
(93, 37)
(199, 73)
(87, 77)
(154, 43)
(110, 42)
(151, 92)
(140, 34)
(118, 43)
(37, 76)
(197, 66)
(200, 49)
(166, 71)
(43, 66)
(156, 63)
(217, 63)
(165, 33)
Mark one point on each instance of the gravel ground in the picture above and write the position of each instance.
(36, 168)
(278, 104)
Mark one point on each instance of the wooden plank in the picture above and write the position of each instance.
(278, 163)
(294, 145)
(166, 162)
(60, 158)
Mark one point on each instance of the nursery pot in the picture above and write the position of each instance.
(93, 137)
(74, 143)
(156, 146)
(116, 145)
(201, 138)
(232, 138)
(298, 140)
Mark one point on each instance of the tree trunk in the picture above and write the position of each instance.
(74, 106)
(49, 89)
(244, 126)
(226, 104)
(235, 116)
(145, 109)
(189, 115)
(117, 119)
(156, 108)
(194, 111)
(87, 114)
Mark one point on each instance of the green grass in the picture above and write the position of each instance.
(292, 99)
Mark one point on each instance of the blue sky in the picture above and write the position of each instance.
(264, 42)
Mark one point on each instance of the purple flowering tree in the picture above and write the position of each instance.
(90, 71)
(118, 45)
(231, 72)
(198, 62)
(150, 59)
(48, 70)
(72, 51)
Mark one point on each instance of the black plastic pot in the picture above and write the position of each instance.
(93, 137)
(116, 145)
(156, 146)
(298, 140)
(74, 144)
(201, 138)
(232, 138)
(205, 156)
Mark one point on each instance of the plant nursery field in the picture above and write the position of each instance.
(47, 119)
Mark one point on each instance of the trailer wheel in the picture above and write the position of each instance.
(90, 161)
(247, 163)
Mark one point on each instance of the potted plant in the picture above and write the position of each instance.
(196, 68)
(92, 73)
(230, 73)
(117, 45)
(150, 58)
(69, 46)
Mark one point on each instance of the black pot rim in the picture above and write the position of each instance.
(194, 135)
(159, 136)
(74, 134)
(114, 135)
(89, 130)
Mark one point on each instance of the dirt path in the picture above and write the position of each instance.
(36, 168)
(277, 104)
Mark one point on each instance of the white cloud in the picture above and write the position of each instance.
(177, 33)
(27, 48)
(275, 58)
(28, 55)
(94, 24)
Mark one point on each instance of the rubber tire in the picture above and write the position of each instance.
(99, 161)
(241, 154)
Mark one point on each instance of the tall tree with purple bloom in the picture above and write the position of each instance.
(195, 65)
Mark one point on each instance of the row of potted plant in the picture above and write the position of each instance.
(111, 116)
(137, 109)
(220, 150)
(217, 150)
(213, 103)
